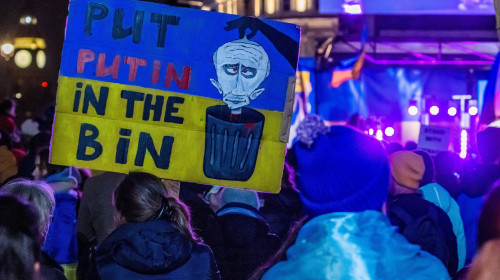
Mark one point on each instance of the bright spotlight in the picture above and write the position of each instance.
(473, 110)
(434, 110)
(19, 95)
(412, 110)
(389, 131)
(452, 111)
(370, 131)
(379, 135)
(7, 48)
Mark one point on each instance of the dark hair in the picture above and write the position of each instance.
(411, 145)
(489, 219)
(143, 197)
(280, 255)
(6, 105)
(44, 153)
(19, 249)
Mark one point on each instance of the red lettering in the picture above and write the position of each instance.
(102, 70)
(183, 82)
(84, 56)
(156, 72)
(134, 63)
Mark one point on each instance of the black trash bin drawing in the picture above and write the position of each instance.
(234, 131)
(232, 145)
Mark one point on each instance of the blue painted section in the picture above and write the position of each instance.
(457, 7)
(192, 43)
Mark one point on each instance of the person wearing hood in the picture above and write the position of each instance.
(61, 243)
(343, 179)
(435, 193)
(476, 184)
(420, 221)
(155, 239)
(245, 232)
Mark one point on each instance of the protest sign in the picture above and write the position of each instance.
(184, 94)
(433, 139)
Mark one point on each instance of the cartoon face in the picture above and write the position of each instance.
(241, 66)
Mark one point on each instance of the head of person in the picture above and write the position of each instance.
(407, 171)
(393, 147)
(428, 176)
(41, 196)
(487, 145)
(42, 166)
(241, 66)
(8, 106)
(411, 145)
(143, 197)
(339, 169)
(241, 196)
(19, 250)
(486, 264)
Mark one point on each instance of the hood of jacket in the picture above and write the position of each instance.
(151, 247)
(477, 182)
(242, 225)
(436, 194)
(355, 246)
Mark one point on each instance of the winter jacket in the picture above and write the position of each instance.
(61, 243)
(475, 185)
(247, 240)
(425, 224)
(347, 246)
(153, 250)
(205, 224)
(50, 269)
(436, 194)
(281, 210)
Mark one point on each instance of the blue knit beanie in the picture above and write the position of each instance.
(340, 169)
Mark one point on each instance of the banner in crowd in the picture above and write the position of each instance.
(434, 139)
(184, 94)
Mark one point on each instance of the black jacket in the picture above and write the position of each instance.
(205, 223)
(153, 250)
(425, 224)
(50, 269)
(247, 240)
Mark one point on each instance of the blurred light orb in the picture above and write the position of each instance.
(452, 111)
(389, 131)
(412, 110)
(473, 110)
(434, 110)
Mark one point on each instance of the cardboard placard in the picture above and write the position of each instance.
(184, 94)
(433, 139)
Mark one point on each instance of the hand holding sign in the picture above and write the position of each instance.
(254, 24)
(284, 44)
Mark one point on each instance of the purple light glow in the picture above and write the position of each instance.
(452, 111)
(473, 110)
(427, 62)
(389, 131)
(434, 110)
(353, 9)
(412, 110)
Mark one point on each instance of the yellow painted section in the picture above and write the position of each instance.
(193, 110)
(186, 160)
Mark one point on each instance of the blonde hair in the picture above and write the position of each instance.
(40, 195)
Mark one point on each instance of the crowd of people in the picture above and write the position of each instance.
(350, 207)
